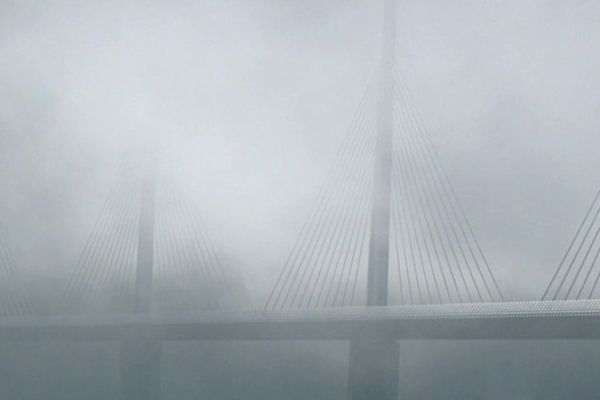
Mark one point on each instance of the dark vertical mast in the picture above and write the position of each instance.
(145, 254)
(377, 278)
(140, 358)
(374, 358)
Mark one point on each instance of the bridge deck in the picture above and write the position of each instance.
(509, 320)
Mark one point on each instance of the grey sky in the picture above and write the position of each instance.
(254, 98)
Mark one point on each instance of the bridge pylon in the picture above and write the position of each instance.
(373, 361)
(140, 357)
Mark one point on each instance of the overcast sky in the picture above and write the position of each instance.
(252, 100)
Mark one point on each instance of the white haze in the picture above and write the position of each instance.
(250, 101)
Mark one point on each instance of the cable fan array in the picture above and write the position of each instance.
(12, 299)
(438, 258)
(434, 254)
(324, 266)
(186, 272)
(577, 275)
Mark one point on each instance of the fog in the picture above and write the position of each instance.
(248, 103)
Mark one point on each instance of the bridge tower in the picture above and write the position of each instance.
(140, 358)
(373, 369)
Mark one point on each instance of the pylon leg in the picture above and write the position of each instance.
(374, 369)
(140, 369)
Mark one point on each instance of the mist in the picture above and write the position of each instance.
(246, 105)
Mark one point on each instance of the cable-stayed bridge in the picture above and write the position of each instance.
(387, 253)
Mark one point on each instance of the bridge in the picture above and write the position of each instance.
(510, 320)
(386, 254)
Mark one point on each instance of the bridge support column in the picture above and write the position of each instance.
(140, 357)
(374, 369)
(140, 369)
